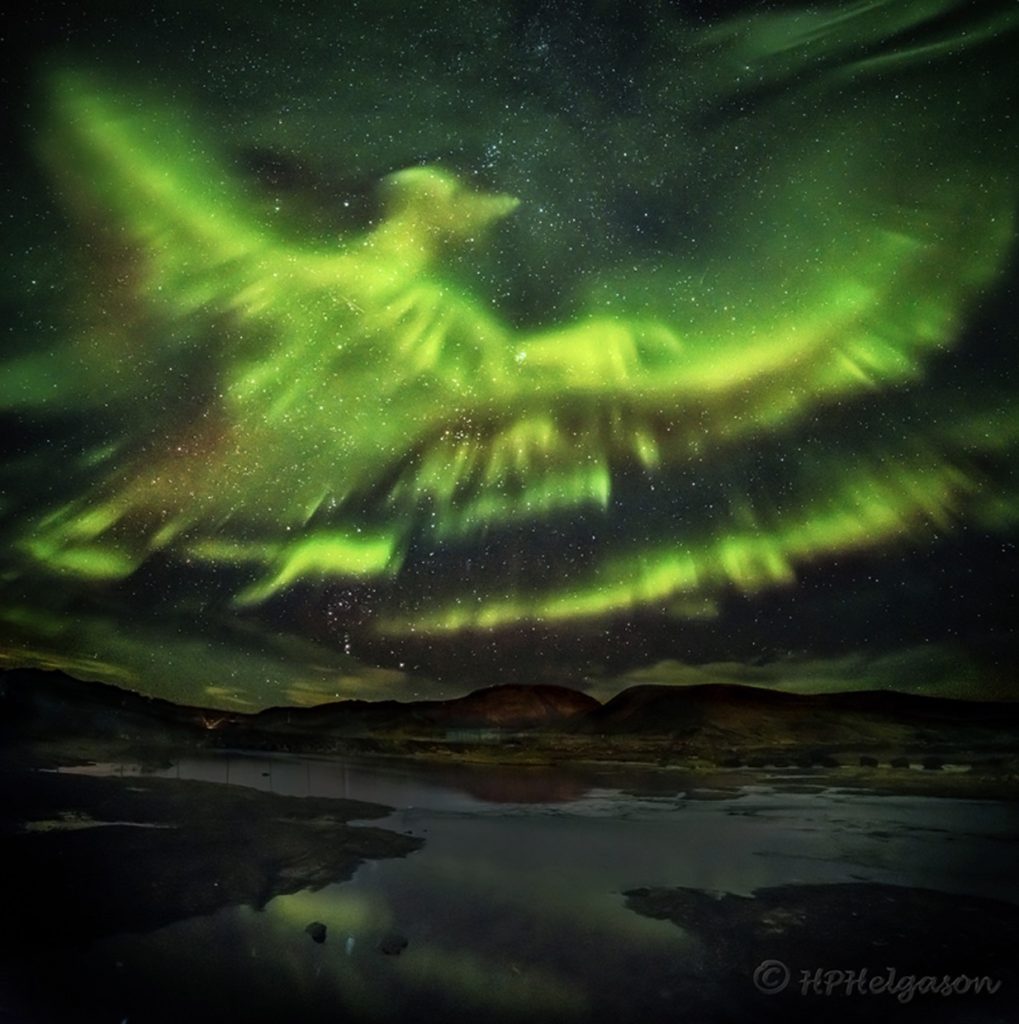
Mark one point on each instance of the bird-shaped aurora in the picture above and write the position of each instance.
(364, 410)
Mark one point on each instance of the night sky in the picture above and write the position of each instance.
(387, 350)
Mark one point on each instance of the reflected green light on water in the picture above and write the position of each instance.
(514, 910)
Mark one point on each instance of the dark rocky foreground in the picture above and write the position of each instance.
(844, 952)
(106, 855)
(96, 866)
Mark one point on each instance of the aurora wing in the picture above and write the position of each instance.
(365, 402)
(302, 349)
(851, 244)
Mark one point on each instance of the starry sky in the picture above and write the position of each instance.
(389, 350)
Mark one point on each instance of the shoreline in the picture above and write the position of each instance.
(982, 780)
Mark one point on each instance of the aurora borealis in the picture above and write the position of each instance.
(356, 349)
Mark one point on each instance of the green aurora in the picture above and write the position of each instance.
(688, 341)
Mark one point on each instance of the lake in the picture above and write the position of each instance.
(514, 907)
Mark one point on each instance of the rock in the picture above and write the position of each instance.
(900, 762)
(393, 944)
(933, 764)
(317, 931)
(868, 762)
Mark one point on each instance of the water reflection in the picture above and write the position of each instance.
(400, 783)
(514, 909)
(395, 783)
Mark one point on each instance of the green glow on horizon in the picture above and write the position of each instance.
(369, 404)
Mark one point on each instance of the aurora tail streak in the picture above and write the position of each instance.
(374, 371)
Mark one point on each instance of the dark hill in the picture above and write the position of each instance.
(669, 709)
(515, 707)
(55, 704)
(501, 707)
(741, 724)
(712, 724)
